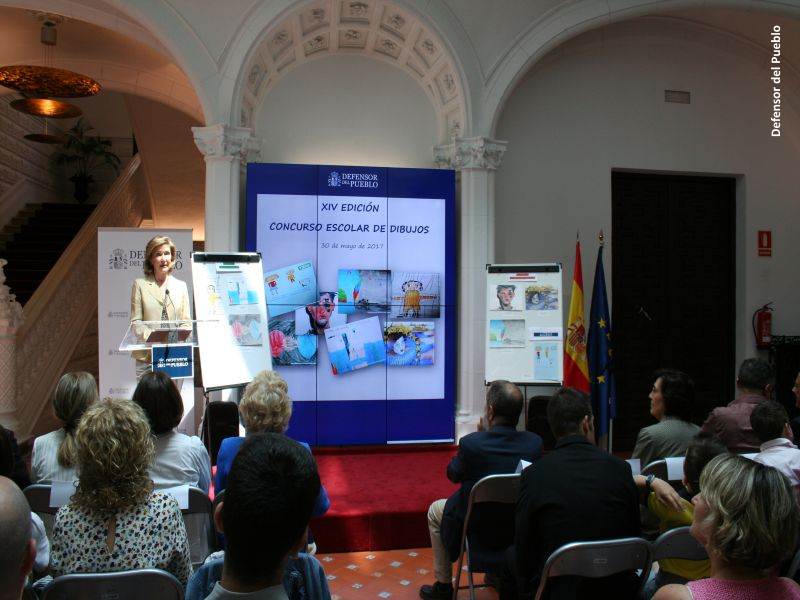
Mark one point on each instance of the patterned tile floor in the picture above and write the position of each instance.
(395, 574)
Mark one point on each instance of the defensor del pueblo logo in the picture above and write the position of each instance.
(353, 180)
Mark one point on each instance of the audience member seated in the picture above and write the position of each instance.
(180, 459)
(796, 421)
(54, 453)
(674, 509)
(771, 425)
(38, 533)
(115, 521)
(577, 492)
(17, 471)
(671, 401)
(272, 488)
(731, 423)
(497, 447)
(265, 407)
(16, 546)
(746, 517)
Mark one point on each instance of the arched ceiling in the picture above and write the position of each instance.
(118, 62)
(373, 28)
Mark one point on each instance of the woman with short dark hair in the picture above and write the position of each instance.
(180, 459)
(671, 401)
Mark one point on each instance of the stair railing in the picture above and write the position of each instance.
(59, 311)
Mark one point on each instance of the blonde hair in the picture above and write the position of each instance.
(265, 405)
(752, 511)
(115, 451)
(150, 249)
(74, 393)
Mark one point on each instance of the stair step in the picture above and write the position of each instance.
(34, 240)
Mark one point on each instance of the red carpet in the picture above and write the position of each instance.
(380, 496)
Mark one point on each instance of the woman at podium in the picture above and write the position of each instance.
(158, 296)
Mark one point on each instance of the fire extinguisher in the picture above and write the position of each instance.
(762, 326)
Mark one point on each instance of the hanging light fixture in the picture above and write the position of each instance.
(47, 107)
(43, 84)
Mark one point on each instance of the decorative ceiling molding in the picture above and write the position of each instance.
(374, 28)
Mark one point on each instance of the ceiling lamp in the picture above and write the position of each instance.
(44, 82)
(44, 138)
(41, 84)
(47, 107)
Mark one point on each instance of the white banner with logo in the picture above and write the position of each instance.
(120, 256)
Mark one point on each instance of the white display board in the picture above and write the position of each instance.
(232, 317)
(524, 323)
(120, 256)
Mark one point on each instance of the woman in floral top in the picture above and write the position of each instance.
(115, 521)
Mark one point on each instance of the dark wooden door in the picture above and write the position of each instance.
(673, 287)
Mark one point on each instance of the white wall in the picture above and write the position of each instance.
(347, 110)
(597, 103)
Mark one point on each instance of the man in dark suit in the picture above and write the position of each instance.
(497, 447)
(577, 492)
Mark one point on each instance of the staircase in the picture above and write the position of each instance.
(33, 241)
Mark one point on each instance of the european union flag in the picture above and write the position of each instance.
(604, 392)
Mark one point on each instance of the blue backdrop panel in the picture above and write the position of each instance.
(303, 425)
(344, 420)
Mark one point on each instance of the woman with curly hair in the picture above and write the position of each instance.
(265, 407)
(746, 517)
(115, 521)
(54, 453)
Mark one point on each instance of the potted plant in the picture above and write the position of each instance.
(87, 154)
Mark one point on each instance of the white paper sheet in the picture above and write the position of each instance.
(674, 468)
(523, 464)
(60, 493)
(636, 465)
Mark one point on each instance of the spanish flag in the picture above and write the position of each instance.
(576, 368)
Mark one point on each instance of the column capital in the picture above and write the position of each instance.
(10, 309)
(470, 153)
(225, 141)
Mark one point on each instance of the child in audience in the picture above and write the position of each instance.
(673, 512)
(770, 422)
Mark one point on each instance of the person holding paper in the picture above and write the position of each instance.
(158, 296)
(675, 509)
(497, 447)
(114, 520)
(671, 401)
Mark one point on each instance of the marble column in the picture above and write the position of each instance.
(10, 320)
(476, 160)
(225, 149)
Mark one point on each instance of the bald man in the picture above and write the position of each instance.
(17, 549)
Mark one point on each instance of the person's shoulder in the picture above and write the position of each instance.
(164, 503)
(230, 444)
(673, 591)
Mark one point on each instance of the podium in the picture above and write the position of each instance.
(170, 345)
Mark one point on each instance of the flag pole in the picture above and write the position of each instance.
(610, 440)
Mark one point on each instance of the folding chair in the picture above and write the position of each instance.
(220, 421)
(678, 543)
(199, 521)
(152, 584)
(657, 468)
(38, 496)
(480, 558)
(599, 559)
